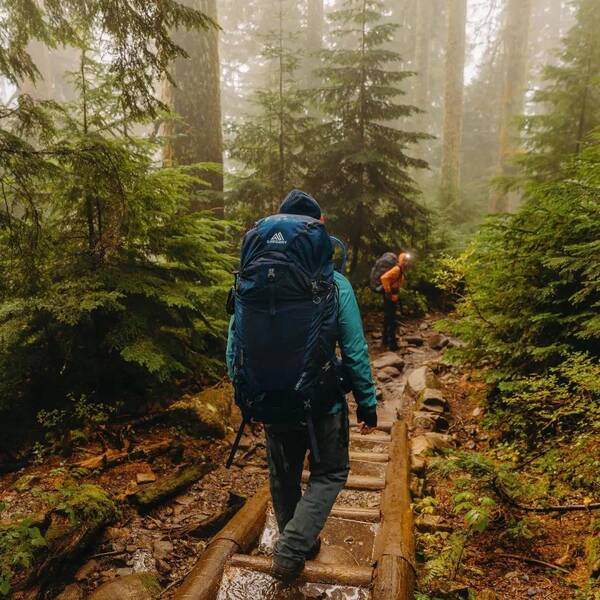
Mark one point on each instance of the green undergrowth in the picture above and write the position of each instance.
(74, 512)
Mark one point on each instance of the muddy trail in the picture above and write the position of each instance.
(179, 525)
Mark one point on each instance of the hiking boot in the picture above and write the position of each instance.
(314, 551)
(287, 573)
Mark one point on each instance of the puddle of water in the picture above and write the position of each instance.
(356, 537)
(243, 584)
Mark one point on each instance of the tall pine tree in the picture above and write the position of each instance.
(569, 99)
(268, 144)
(360, 168)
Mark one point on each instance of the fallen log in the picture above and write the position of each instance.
(155, 493)
(394, 549)
(559, 508)
(532, 561)
(356, 482)
(314, 572)
(202, 583)
(111, 458)
(69, 528)
(211, 525)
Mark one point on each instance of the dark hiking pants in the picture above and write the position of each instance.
(389, 324)
(300, 518)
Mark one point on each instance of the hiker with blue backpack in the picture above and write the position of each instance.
(291, 309)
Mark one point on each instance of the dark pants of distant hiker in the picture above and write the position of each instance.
(389, 324)
(300, 518)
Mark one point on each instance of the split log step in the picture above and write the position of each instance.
(356, 482)
(368, 515)
(378, 457)
(377, 438)
(385, 426)
(314, 572)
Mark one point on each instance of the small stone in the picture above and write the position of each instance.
(383, 377)
(432, 524)
(131, 548)
(391, 371)
(124, 571)
(146, 477)
(424, 326)
(86, 570)
(414, 340)
(349, 540)
(432, 400)
(25, 482)
(162, 549)
(418, 465)
(476, 412)
(430, 443)
(164, 567)
(141, 586)
(417, 486)
(430, 421)
(421, 378)
(389, 359)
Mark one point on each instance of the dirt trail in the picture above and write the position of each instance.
(441, 404)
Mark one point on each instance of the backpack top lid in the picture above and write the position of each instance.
(299, 238)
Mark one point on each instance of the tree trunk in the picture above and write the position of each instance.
(314, 39)
(422, 59)
(516, 38)
(453, 103)
(196, 99)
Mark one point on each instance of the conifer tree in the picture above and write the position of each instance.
(109, 287)
(268, 144)
(361, 169)
(569, 99)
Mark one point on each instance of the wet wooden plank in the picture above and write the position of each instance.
(314, 572)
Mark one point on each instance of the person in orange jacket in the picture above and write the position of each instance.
(392, 281)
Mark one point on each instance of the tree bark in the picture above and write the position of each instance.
(314, 39)
(422, 58)
(516, 38)
(196, 99)
(453, 103)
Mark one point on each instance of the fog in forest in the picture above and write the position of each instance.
(140, 140)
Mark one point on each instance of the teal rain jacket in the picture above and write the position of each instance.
(352, 343)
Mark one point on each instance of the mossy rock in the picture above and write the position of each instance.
(139, 586)
(206, 414)
(155, 493)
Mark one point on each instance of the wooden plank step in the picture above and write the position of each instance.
(368, 515)
(378, 457)
(356, 482)
(314, 572)
(378, 438)
(385, 426)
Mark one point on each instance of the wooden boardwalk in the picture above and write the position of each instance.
(368, 548)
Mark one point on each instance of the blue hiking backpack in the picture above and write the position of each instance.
(285, 306)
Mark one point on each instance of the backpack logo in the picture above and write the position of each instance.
(277, 239)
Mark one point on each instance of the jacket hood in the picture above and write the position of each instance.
(298, 202)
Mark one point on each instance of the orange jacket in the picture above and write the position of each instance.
(393, 279)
